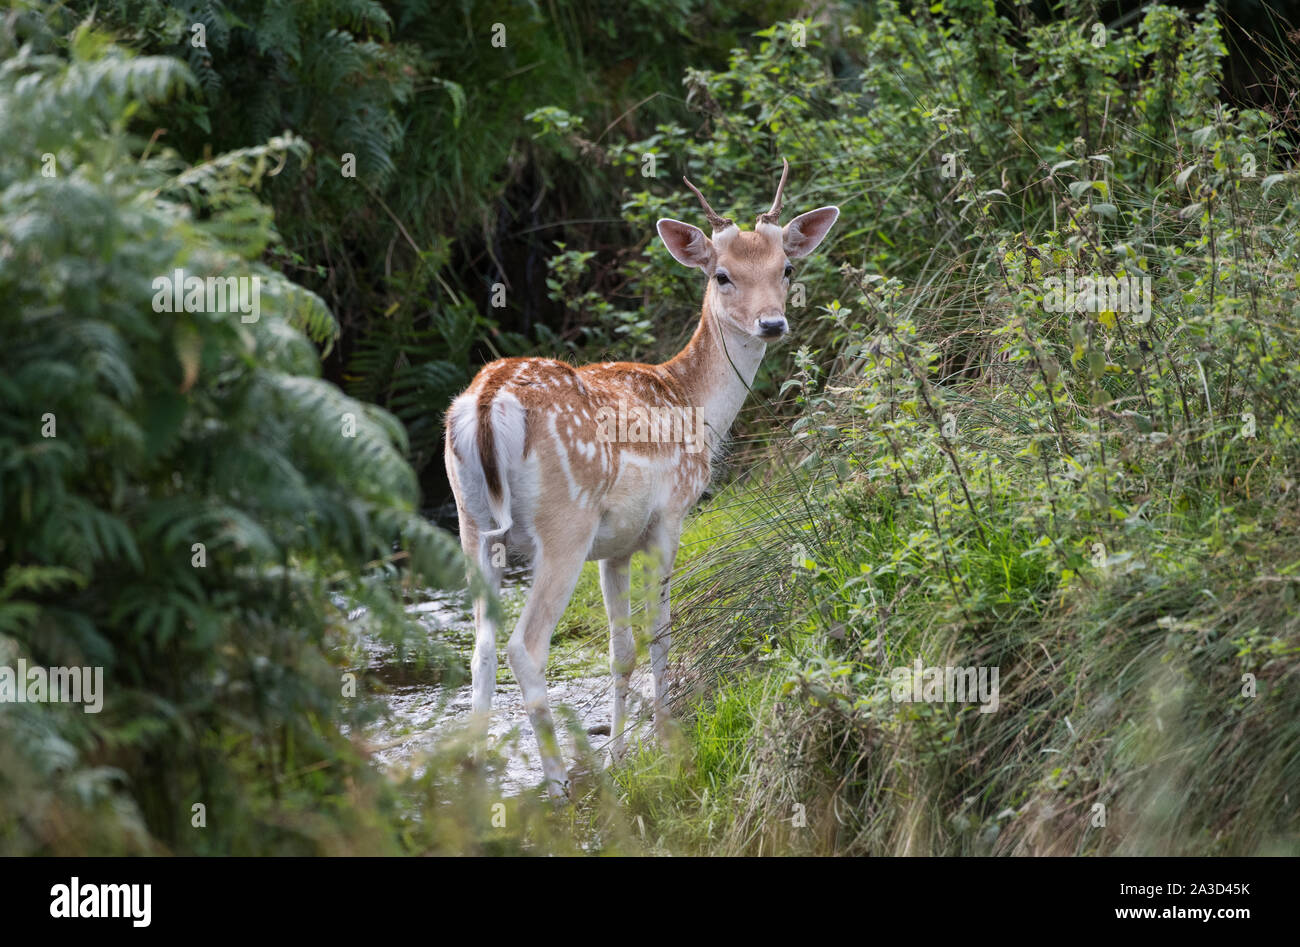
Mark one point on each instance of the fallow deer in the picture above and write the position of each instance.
(539, 468)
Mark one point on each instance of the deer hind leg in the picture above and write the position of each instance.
(555, 573)
(490, 558)
(662, 550)
(614, 586)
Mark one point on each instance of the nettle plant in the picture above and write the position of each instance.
(1095, 422)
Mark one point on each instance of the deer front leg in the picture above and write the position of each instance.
(614, 585)
(662, 551)
(555, 573)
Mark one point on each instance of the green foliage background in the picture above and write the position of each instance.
(128, 436)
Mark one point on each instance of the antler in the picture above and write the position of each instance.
(718, 223)
(773, 216)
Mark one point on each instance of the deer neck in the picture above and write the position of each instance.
(715, 371)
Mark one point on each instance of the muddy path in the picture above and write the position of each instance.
(421, 715)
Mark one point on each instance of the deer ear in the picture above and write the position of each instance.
(801, 236)
(686, 243)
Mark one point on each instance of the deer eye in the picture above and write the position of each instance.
(789, 270)
(722, 278)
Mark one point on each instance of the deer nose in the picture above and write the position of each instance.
(772, 327)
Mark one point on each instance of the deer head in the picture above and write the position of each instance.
(749, 271)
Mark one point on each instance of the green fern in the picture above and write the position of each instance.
(183, 500)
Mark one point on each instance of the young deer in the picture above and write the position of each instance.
(539, 467)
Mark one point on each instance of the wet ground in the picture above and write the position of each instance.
(422, 714)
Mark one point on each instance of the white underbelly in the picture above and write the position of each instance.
(638, 497)
(619, 534)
